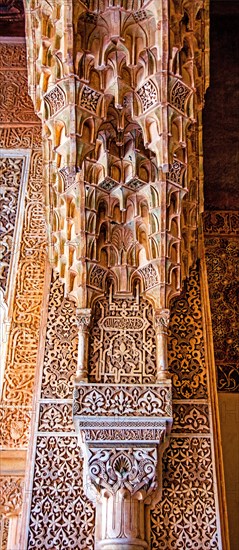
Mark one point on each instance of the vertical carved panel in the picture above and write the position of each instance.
(186, 344)
(221, 230)
(186, 516)
(10, 180)
(60, 516)
(4, 526)
(21, 148)
(61, 346)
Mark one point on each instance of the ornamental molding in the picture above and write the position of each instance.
(14, 174)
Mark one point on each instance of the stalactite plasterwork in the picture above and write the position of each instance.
(120, 98)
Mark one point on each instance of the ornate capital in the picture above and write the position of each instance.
(83, 317)
(133, 469)
(161, 320)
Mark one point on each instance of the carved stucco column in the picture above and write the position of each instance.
(161, 322)
(124, 480)
(119, 88)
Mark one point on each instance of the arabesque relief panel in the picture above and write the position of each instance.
(24, 315)
(188, 479)
(221, 233)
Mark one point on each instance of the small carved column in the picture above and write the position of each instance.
(161, 328)
(83, 320)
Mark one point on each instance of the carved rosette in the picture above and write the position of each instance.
(121, 429)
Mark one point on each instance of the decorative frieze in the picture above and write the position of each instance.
(16, 105)
(119, 400)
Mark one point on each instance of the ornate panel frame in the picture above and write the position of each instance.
(7, 294)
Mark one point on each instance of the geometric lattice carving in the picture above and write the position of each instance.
(148, 95)
(60, 514)
(186, 516)
(89, 99)
(55, 99)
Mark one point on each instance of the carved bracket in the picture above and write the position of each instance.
(121, 430)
